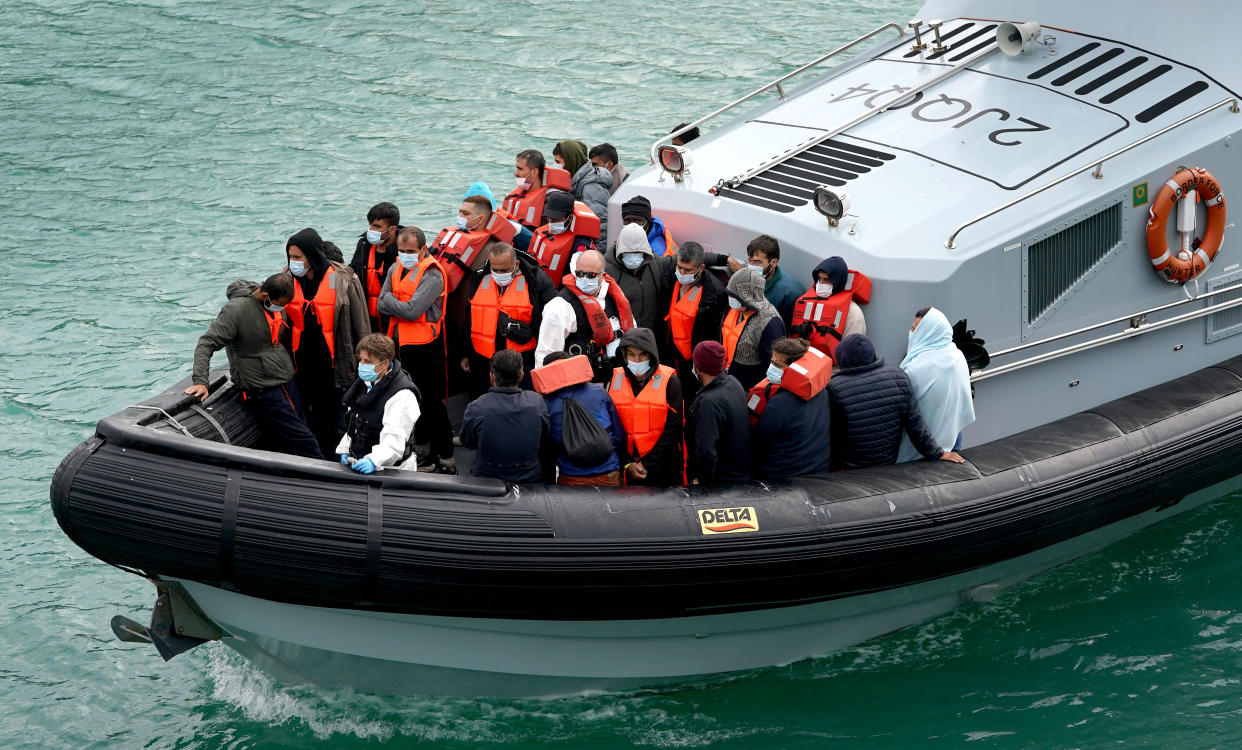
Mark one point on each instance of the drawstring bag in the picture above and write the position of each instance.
(585, 440)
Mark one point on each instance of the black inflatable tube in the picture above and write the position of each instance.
(311, 533)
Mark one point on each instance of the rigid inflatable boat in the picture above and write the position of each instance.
(408, 582)
(1056, 178)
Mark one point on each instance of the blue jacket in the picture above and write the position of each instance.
(655, 237)
(594, 399)
(783, 293)
(791, 438)
(490, 424)
(872, 405)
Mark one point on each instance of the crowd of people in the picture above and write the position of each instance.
(651, 362)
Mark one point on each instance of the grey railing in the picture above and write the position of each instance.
(1096, 164)
(777, 84)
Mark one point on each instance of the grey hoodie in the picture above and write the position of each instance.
(590, 184)
(242, 331)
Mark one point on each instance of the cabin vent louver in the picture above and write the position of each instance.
(1058, 263)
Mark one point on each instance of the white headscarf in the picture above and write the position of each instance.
(941, 382)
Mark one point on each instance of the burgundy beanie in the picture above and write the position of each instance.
(709, 358)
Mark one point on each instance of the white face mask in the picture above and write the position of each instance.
(374, 237)
(408, 260)
(823, 290)
(556, 227)
(502, 279)
(521, 182)
(685, 278)
(297, 267)
(735, 303)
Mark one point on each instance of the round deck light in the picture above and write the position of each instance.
(674, 159)
(831, 204)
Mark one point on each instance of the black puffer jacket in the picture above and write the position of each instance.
(872, 404)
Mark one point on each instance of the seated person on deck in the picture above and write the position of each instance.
(381, 410)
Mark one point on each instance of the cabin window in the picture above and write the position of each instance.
(1058, 264)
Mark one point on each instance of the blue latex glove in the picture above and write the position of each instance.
(365, 466)
(344, 459)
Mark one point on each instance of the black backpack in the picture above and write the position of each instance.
(585, 440)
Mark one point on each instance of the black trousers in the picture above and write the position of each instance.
(321, 404)
(426, 366)
(278, 410)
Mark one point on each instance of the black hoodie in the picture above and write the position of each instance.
(665, 462)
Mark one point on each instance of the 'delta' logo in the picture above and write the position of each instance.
(728, 520)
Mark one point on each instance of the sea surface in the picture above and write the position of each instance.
(151, 152)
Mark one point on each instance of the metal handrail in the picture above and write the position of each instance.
(1115, 321)
(1119, 336)
(736, 180)
(777, 84)
(1094, 164)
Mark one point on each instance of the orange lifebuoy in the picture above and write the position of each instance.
(1178, 265)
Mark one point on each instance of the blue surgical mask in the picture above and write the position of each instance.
(685, 278)
(366, 373)
(374, 237)
(408, 260)
(502, 279)
(275, 309)
(774, 374)
(297, 267)
(632, 260)
(639, 368)
(590, 286)
(735, 303)
(556, 227)
(461, 223)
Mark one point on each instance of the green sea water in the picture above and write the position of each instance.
(150, 152)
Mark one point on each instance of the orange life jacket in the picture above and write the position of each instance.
(643, 416)
(670, 247)
(681, 315)
(552, 251)
(457, 250)
(731, 331)
(525, 205)
(485, 308)
(323, 307)
(375, 283)
(274, 323)
(561, 374)
(757, 401)
(826, 317)
(404, 284)
(804, 379)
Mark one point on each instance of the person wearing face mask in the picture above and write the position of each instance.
(717, 433)
(571, 228)
(381, 410)
(459, 248)
(525, 202)
(637, 210)
(587, 182)
(251, 329)
(790, 436)
(505, 309)
(587, 316)
(763, 254)
(605, 155)
(375, 254)
(648, 398)
(750, 327)
(940, 378)
(829, 310)
(493, 421)
(696, 308)
(645, 279)
(327, 317)
(414, 298)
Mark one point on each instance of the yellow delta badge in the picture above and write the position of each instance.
(728, 520)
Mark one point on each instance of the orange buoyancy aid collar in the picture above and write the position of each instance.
(681, 315)
(488, 302)
(601, 327)
(404, 285)
(670, 247)
(643, 416)
(323, 307)
(731, 331)
(757, 400)
(274, 323)
(526, 205)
